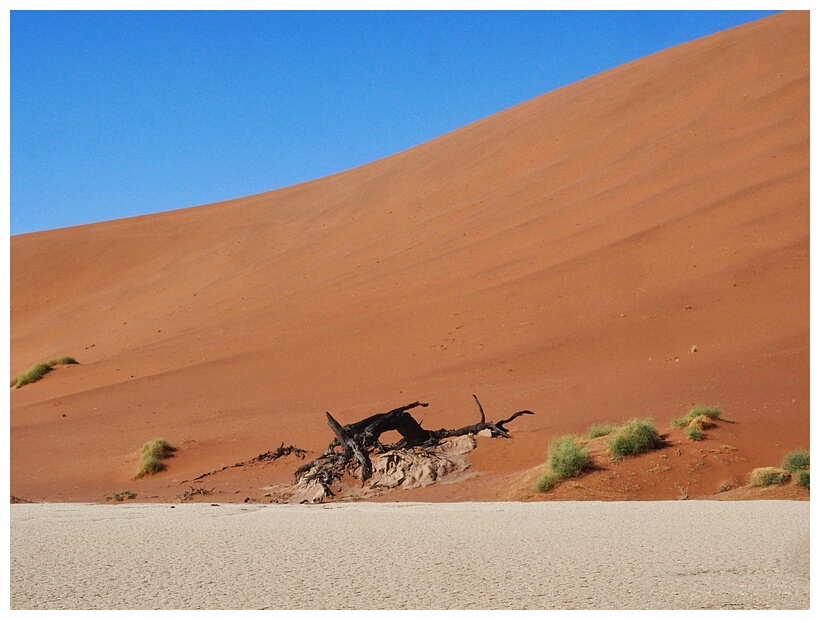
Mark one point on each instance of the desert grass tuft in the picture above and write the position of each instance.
(701, 412)
(149, 465)
(547, 481)
(713, 413)
(635, 437)
(695, 433)
(566, 458)
(38, 371)
(65, 360)
(601, 430)
(701, 422)
(768, 476)
(803, 479)
(158, 448)
(795, 461)
(152, 454)
(33, 374)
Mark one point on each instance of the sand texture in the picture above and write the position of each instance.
(558, 555)
(631, 245)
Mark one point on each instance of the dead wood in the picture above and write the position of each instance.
(265, 456)
(496, 428)
(357, 441)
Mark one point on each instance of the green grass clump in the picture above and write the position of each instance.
(713, 413)
(795, 460)
(600, 430)
(35, 373)
(547, 481)
(565, 459)
(158, 448)
(152, 454)
(635, 437)
(768, 476)
(803, 479)
(694, 433)
(149, 465)
(38, 371)
(65, 360)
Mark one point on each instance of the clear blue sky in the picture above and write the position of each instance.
(115, 114)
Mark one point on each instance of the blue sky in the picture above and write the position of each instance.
(115, 114)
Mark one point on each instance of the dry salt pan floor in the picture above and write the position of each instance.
(550, 555)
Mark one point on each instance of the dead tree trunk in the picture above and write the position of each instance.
(360, 439)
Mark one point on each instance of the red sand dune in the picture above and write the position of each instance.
(563, 256)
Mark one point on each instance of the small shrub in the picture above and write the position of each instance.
(600, 430)
(38, 371)
(566, 458)
(795, 461)
(803, 479)
(152, 454)
(694, 433)
(768, 476)
(635, 437)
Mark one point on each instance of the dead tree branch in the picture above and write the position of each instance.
(360, 439)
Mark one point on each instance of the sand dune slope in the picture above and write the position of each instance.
(563, 256)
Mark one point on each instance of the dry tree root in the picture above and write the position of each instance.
(265, 456)
(278, 453)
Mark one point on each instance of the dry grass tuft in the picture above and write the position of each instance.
(702, 422)
(601, 430)
(38, 371)
(153, 452)
(695, 433)
(635, 437)
(768, 476)
(699, 412)
(726, 485)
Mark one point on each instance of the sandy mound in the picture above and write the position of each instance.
(394, 469)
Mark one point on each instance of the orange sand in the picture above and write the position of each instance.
(563, 256)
